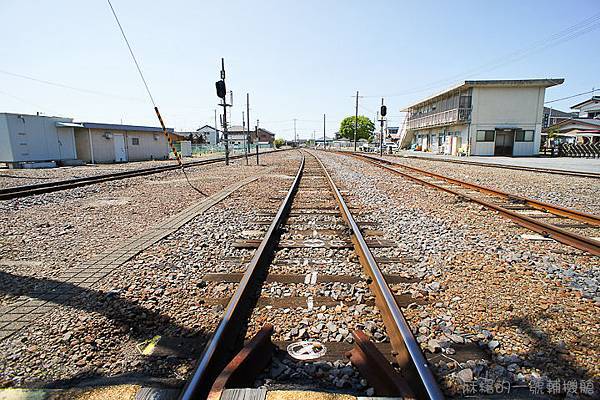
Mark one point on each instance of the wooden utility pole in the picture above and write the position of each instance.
(245, 137)
(381, 134)
(356, 121)
(295, 135)
(257, 162)
(216, 129)
(324, 141)
(248, 118)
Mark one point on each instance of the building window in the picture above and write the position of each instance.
(135, 141)
(524, 136)
(485, 136)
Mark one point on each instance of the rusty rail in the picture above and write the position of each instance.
(55, 186)
(408, 353)
(417, 379)
(226, 338)
(547, 230)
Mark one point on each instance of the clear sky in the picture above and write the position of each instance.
(297, 59)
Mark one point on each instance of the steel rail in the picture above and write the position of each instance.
(408, 352)
(40, 188)
(547, 230)
(581, 174)
(540, 205)
(223, 342)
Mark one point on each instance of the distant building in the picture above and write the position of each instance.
(319, 141)
(553, 116)
(486, 118)
(576, 130)
(393, 130)
(36, 139)
(205, 135)
(238, 135)
(264, 136)
(589, 108)
(108, 143)
(209, 134)
(584, 128)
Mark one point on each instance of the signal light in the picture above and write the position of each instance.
(383, 111)
(221, 90)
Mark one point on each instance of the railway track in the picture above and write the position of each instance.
(286, 284)
(571, 227)
(580, 174)
(30, 190)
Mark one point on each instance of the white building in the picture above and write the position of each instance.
(108, 143)
(238, 135)
(484, 118)
(29, 139)
(589, 108)
(209, 134)
(584, 128)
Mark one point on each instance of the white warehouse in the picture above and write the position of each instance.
(483, 118)
(27, 139)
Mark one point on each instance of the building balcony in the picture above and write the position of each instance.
(443, 118)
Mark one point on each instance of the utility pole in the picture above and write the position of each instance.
(295, 135)
(248, 118)
(245, 137)
(257, 162)
(216, 128)
(324, 141)
(383, 113)
(356, 121)
(222, 93)
(314, 139)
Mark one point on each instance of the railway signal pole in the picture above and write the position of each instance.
(222, 93)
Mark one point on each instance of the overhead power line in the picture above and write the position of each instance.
(177, 156)
(572, 32)
(570, 97)
(64, 86)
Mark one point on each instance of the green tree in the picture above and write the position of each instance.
(279, 142)
(365, 128)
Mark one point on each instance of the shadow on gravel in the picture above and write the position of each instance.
(550, 358)
(139, 322)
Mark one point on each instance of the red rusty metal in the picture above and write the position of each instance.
(536, 204)
(547, 230)
(375, 367)
(243, 369)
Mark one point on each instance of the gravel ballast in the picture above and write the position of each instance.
(532, 306)
(98, 332)
(567, 191)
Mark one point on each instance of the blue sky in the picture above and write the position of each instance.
(297, 59)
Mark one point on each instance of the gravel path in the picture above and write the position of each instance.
(44, 235)
(533, 306)
(158, 292)
(567, 191)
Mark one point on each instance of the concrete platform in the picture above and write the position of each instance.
(586, 165)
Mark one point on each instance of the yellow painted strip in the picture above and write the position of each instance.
(146, 348)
